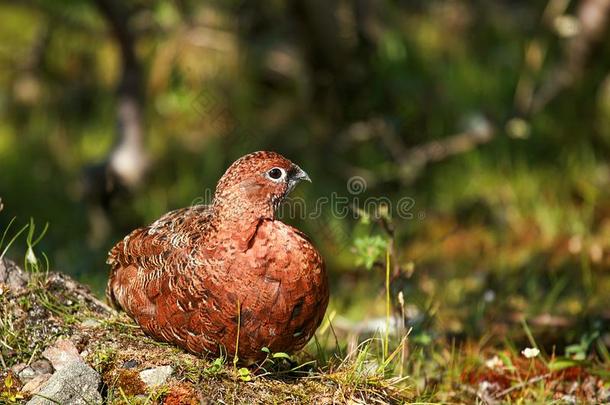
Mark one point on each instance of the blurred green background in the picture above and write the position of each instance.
(493, 117)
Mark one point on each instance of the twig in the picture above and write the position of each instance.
(481, 395)
(236, 357)
(436, 151)
(524, 384)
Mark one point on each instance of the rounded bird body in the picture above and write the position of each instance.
(199, 275)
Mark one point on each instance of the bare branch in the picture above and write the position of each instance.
(128, 160)
(592, 19)
(412, 160)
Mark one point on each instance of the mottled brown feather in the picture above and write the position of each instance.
(183, 278)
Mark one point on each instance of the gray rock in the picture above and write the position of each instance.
(156, 376)
(74, 384)
(42, 367)
(18, 368)
(11, 275)
(27, 374)
(35, 384)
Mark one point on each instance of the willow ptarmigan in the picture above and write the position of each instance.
(198, 275)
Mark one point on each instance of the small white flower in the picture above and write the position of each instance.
(489, 296)
(30, 257)
(530, 352)
(494, 363)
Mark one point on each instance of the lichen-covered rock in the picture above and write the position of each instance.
(74, 384)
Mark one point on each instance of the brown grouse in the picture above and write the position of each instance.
(199, 275)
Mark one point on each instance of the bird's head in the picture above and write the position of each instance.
(257, 183)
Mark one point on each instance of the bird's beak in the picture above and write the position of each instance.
(299, 175)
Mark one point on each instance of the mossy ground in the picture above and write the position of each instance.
(119, 350)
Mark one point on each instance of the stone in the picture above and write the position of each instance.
(18, 368)
(33, 386)
(131, 364)
(74, 384)
(62, 353)
(12, 276)
(42, 366)
(27, 374)
(156, 376)
(90, 323)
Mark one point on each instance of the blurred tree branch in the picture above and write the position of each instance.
(126, 165)
(322, 30)
(591, 23)
(367, 22)
(411, 160)
(127, 162)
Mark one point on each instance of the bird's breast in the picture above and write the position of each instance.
(281, 287)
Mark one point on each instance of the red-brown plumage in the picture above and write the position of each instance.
(184, 277)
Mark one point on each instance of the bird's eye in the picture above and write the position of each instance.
(276, 173)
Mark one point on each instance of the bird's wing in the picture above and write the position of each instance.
(146, 257)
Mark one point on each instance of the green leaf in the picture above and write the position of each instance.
(281, 355)
(8, 381)
(368, 249)
(423, 339)
(562, 363)
(506, 360)
(244, 374)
